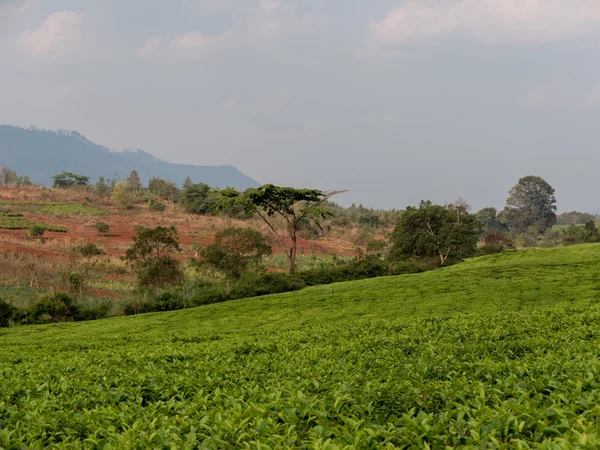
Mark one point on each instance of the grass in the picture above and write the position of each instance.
(57, 208)
(10, 222)
(497, 352)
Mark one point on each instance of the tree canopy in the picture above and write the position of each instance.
(67, 179)
(435, 233)
(531, 203)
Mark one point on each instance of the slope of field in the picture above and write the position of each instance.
(499, 352)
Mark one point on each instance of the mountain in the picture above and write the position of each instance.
(43, 153)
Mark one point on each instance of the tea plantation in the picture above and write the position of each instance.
(498, 352)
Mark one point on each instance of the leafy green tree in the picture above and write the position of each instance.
(294, 207)
(194, 199)
(165, 190)
(102, 189)
(234, 250)
(151, 256)
(531, 203)
(435, 233)
(122, 196)
(187, 183)
(490, 221)
(66, 180)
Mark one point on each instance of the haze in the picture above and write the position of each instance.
(396, 101)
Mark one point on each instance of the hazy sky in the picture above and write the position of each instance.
(394, 100)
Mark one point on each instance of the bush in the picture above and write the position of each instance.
(369, 267)
(495, 242)
(36, 231)
(6, 313)
(55, 308)
(90, 250)
(156, 205)
(102, 227)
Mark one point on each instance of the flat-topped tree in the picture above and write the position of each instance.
(294, 206)
(67, 179)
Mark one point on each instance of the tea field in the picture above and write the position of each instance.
(497, 352)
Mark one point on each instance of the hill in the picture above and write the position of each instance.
(42, 153)
(497, 352)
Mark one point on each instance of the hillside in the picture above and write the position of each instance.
(496, 352)
(41, 154)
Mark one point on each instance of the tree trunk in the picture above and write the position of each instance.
(292, 255)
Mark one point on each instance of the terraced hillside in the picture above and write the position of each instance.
(499, 352)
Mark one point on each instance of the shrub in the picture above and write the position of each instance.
(156, 205)
(55, 308)
(36, 231)
(102, 227)
(90, 250)
(6, 313)
(495, 242)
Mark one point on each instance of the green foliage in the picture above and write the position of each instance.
(150, 256)
(134, 183)
(156, 205)
(580, 235)
(6, 313)
(531, 204)
(90, 250)
(165, 190)
(102, 227)
(573, 218)
(67, 179)
(434, 233)
(235, 250)
(497, 352)
(55, 208)
(8, 222)
(122, 196)
(529, 238)
(495, 242)
(36, 231)
(294, 206)
(194, 199)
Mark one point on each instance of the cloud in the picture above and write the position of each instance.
(270, 5)
(491, 21)
(194, 40)
(150, 46)
(59, 35)
(593, 96)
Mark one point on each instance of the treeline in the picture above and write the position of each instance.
(10, 178)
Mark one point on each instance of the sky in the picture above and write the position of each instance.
(393, 100)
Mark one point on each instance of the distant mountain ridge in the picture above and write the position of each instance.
(43, 153)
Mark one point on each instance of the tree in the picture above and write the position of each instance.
(194, 199)
(295, 207)
(489, 220)
(102, 189)
(8, 176)
(134, 183)
(122, 196)
(234, 250)
(163, 189)
(187, 183)
(435, 233)
(150, 256)
(67, 179)
(531, 203)
(581, 234)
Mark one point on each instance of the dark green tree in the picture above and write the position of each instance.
(151, 256)
(195, 199)
(531, 203)
(235, 250)
(489, 220)
(435, 233)
(294, 207)
(187, 183)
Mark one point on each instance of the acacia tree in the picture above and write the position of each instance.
(295, 207)
(67, 179)
(531, 203)
(435, 232)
